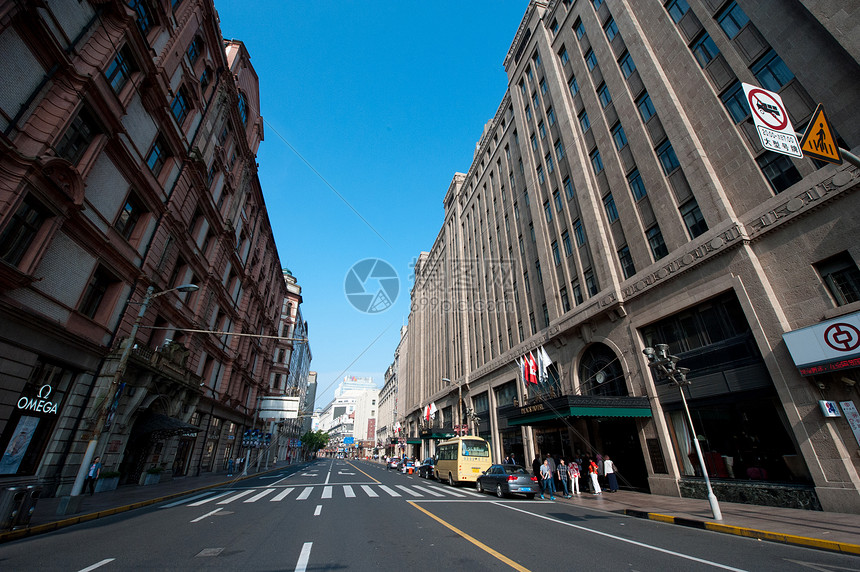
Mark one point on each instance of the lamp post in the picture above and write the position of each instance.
(151, 294)
(659, 359)
(459, 403)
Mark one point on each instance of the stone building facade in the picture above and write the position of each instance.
(127, 170)
(620, 198)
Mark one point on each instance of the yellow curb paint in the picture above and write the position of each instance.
(362, 472)
(474, 541)
(661, 517)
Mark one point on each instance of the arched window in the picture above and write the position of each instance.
(600, 372)
(243, 108)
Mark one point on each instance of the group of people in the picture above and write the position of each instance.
(557, 474)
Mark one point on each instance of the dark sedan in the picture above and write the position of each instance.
(508, 479)
(425, 469)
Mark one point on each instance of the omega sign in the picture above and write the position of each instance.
(41, 403)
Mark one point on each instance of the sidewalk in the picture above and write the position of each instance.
(824, 530)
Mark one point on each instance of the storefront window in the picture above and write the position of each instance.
(506, 394)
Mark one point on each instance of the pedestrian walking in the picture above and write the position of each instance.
(93, 475)
(610, 469)
(513, 459)
(573, 469)
(552, 468)
(507, 460)
(547, 482)
(563, 476)
(536, 465)
(592, 473)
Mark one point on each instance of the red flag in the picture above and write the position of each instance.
(427, 413)
(533, 378)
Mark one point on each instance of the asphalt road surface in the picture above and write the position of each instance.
(337, 514)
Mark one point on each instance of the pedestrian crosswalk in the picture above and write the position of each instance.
(305, 492)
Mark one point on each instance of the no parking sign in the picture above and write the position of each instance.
(772, 121)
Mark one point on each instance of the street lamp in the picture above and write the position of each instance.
(459, 402)
(659, 359)
(151, 294)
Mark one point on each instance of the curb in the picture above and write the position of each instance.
(843, 547)
(20, 533)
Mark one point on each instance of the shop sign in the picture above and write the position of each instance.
(531, 409)
(41, 403)
(853, 417)
(829, 346)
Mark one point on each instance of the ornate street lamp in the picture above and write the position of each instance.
(660, 360)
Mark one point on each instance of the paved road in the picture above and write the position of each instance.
(353, 515)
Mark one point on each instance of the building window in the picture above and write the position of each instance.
(626, 261)
(590, 59)
(677, 9)
(732, 19)
(532, 232)
(584, 123)
(547, 210)
(771, 72)
(526, 282)
(579, 29)
(540, 175)
(646, 108)
(119, 70)
(22, 229)
(95, 292)
(205, 79)
(195, 49)
(603, 95)
(610, 29)
(550, 116)
(539, 273)
(579, 232)
(736, 103)
(556, 196)
(591, 283)
(559, 150)
(611, 209)
(705, 50)
(243, 109)
(556, 254)
(533, 139)
(528, 113)
(779, 170)
(554, 26)
(573, 85)
(693, 218)
(550, 166)
(596, 3)
(129, 216)
(523, 88)
(180, 107)
(565, 300)
(841, 277)
(565, 241)
(619, 136)
(563, 56)
(77, 137)
(577, 292)
(626, 64)
(542, 131)
(596, 161)
(535, 100)
(158, 155)
(536, 59)
(655, 240)
(637, 187)
(144, 15)
(543, 88)
(545, 315)
(568, 188)
(668, 159)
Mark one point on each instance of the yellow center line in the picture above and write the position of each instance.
(473, 540)
(362, 472)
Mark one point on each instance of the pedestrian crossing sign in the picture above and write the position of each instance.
(819, 141)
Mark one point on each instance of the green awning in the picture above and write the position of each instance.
(413, 441)
(578, 406)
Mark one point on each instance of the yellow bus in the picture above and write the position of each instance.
(462, 459)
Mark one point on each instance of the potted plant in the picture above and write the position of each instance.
(152, 475)
(108, 481)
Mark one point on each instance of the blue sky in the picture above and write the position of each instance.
(382, 102)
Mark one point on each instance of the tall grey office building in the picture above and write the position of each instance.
(621, 199)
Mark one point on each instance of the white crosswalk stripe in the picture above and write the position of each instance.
(212, 498)
(258, 496)
(236, 497)
(305, 493)
(409, 491)
(282, 495)
(348, 492)
(389, 491)
(429, 491)
(326, 494)
(370, 492)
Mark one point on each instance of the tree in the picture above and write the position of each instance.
(315, 440)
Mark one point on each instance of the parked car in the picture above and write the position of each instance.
(407, 467)
(508, 479)
(394, 462)
(426, 469)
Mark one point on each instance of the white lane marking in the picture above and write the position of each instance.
(389, 491)
(318, 510)
(210, 499)
(429, 491)
(348, 492)
(258, 496)
(237, 497)
(627, 540)
(369, 491)
(97, 565)
(305, 493)
(185, 500)
(408, 490)
(281, 495)
(210, 513)
(302, 564)
(326, 494)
